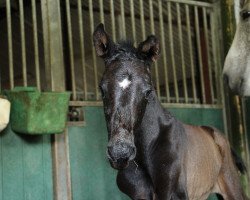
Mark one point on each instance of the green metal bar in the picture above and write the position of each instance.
(151, 16)
(152, 28)
(55, 45)
(36, 50)
(228, 22)
(164, 51)
(190, 47)
(167, 105)
(191, 2)
(71, 50)
(51, 19)
(219, 44)
(24, 63)
(170, 29)
(219, 54)
(133, 20)
(142, 20)
(101, 11)
(113, 20)
(197, 30)
(82, 50)
(10, 43)
(246, 141)
(91, 16)
(217, 26)
(204, 11)
(123, 19)
(45, 34)
(215, 61)
(182, 53)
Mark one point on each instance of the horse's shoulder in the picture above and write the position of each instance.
(170, 118)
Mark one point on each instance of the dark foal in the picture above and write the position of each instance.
(157, 156)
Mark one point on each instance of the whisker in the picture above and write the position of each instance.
(136, 166)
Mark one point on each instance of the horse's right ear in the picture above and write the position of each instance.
(150, 48)
(242, 3)
(101, 40)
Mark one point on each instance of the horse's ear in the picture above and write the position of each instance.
(150, 48)
(102, 42)
(242, 3)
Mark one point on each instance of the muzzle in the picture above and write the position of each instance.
(120, 153)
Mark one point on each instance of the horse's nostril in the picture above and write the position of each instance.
(133, 153)
(133, 150)
(241, 84)
(110, 152)
(225, 79)
(121, 151)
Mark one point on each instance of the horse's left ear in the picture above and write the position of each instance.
(150, 47)
(102, 41)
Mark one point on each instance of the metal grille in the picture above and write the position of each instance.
(21, 54)
(188, 71)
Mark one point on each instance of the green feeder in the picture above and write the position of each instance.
(34, 112)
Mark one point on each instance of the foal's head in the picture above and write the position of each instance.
(126, 86)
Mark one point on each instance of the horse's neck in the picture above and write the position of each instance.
(155, 122)
(156, 113)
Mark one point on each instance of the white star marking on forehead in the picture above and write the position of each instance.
(125, 83)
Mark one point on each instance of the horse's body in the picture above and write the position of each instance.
(157, 156)
(211, 166)
(202, 155)
(237, 63)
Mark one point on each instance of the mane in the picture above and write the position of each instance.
(123, 50)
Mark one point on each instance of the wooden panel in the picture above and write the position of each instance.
(25, 167)
(25, 164)
(91, 175)
(200, 116)
(11, 166)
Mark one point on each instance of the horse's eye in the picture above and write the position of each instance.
(147, 93)
(245, 14)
